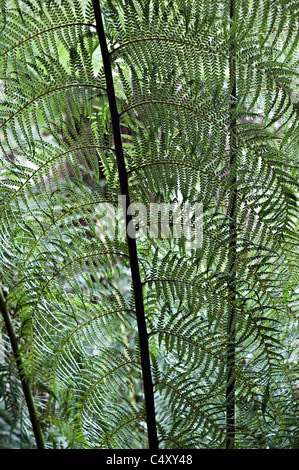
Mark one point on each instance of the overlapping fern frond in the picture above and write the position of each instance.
(207, 114)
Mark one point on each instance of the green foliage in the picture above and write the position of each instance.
(204, 100)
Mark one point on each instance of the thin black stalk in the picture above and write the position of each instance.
(134, 264)
(25, 383)
(232, 255)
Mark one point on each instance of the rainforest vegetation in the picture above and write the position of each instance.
(125, 323)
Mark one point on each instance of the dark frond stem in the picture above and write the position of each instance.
(25, 383)
(231, 317)
(134, 264)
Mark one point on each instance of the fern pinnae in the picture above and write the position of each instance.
(137, 286)
(35, 422)
(231, 310)
(188, 135)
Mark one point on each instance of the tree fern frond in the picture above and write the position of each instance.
(147, 340)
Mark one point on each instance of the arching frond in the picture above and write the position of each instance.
(205, 116)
